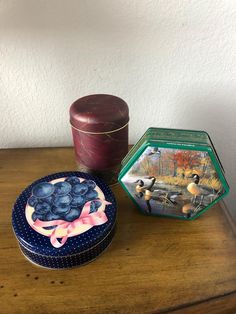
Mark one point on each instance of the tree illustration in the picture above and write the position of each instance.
(172, 162)
(181, 160)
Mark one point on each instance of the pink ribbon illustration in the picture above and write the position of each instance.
(94, 219)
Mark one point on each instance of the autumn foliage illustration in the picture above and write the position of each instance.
(174, 167)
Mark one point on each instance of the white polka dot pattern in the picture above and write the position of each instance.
(71, 260)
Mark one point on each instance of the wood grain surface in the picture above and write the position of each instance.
(154, 265)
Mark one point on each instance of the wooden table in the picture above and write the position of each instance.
(154, 265)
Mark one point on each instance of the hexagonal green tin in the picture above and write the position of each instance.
(174, 173)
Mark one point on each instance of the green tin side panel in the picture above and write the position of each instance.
(178, 135)
(134, 149)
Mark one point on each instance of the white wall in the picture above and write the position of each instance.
(174, 62)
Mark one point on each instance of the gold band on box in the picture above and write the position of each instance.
(113, 131)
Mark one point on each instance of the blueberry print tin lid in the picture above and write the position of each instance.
(63, 214)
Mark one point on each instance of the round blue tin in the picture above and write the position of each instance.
(64, 220)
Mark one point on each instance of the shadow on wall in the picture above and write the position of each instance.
(213, 109)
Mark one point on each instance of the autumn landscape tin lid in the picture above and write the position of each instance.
(63, 214)
(174, 173)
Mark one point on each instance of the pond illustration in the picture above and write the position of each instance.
(173, 182)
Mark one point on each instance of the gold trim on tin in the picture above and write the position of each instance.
(87, 132)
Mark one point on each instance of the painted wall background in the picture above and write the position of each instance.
(174, 62)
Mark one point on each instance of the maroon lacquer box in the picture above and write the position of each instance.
(100, 133)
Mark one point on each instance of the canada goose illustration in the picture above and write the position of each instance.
(140, 186)
(148, 189)
(172, 197)
(189, 210)
(160, 195)
(199, 190)
(148, 193)
(145, 190)
(155, 151)
(169, 197)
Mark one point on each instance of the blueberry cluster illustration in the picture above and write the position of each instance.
(63, 200)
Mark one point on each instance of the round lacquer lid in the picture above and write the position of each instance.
(99, 113)
(63, 214)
